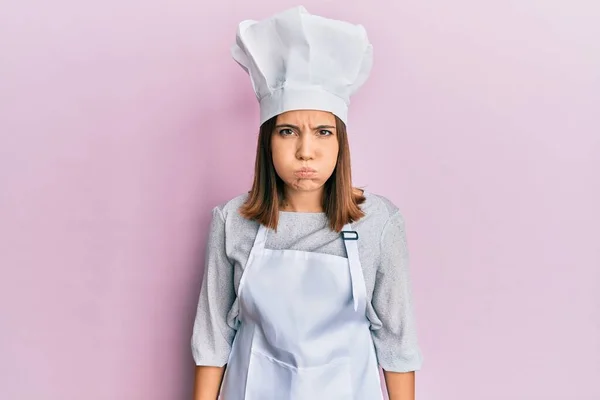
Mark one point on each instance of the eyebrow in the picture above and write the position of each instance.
(297, 128)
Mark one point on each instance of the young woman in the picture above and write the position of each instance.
(306, 291)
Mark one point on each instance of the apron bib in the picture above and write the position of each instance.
(304, 334)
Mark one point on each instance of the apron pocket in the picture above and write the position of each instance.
(270, 379)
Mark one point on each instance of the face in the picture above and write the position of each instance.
(305, 148)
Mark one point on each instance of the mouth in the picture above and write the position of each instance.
(305, 172)
(306, 169)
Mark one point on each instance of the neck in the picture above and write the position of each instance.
(301, 201)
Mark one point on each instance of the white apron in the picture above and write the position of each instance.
(304, 334)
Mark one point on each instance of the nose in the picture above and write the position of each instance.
(306, 147)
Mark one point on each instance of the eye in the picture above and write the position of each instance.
(286, 132)
(325, 132)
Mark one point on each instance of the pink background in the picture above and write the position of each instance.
(124, 122)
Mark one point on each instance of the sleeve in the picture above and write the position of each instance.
(212, 336)
(395, 341)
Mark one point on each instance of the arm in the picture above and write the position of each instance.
(207, 382)
(212, 336)
(396, 340)
(400, 385)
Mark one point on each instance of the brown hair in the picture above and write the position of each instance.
(340, 200)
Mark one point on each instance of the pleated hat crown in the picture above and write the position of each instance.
(297, 61)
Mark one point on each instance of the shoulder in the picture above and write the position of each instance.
(238, 232)
(381, 214)
(229, 213)
(230, 208)
(380, 207)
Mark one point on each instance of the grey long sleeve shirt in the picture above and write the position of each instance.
(384, 258)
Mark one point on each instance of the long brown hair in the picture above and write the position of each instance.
(340, 200)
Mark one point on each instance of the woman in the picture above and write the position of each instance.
(306, 287)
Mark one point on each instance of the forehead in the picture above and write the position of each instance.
(306, 117)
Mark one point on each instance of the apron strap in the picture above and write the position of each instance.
(259, 245)
(261, 238)
(359, 290)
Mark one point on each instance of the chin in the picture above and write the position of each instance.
(305, 185)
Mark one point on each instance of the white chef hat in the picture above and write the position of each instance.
(296, 61)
